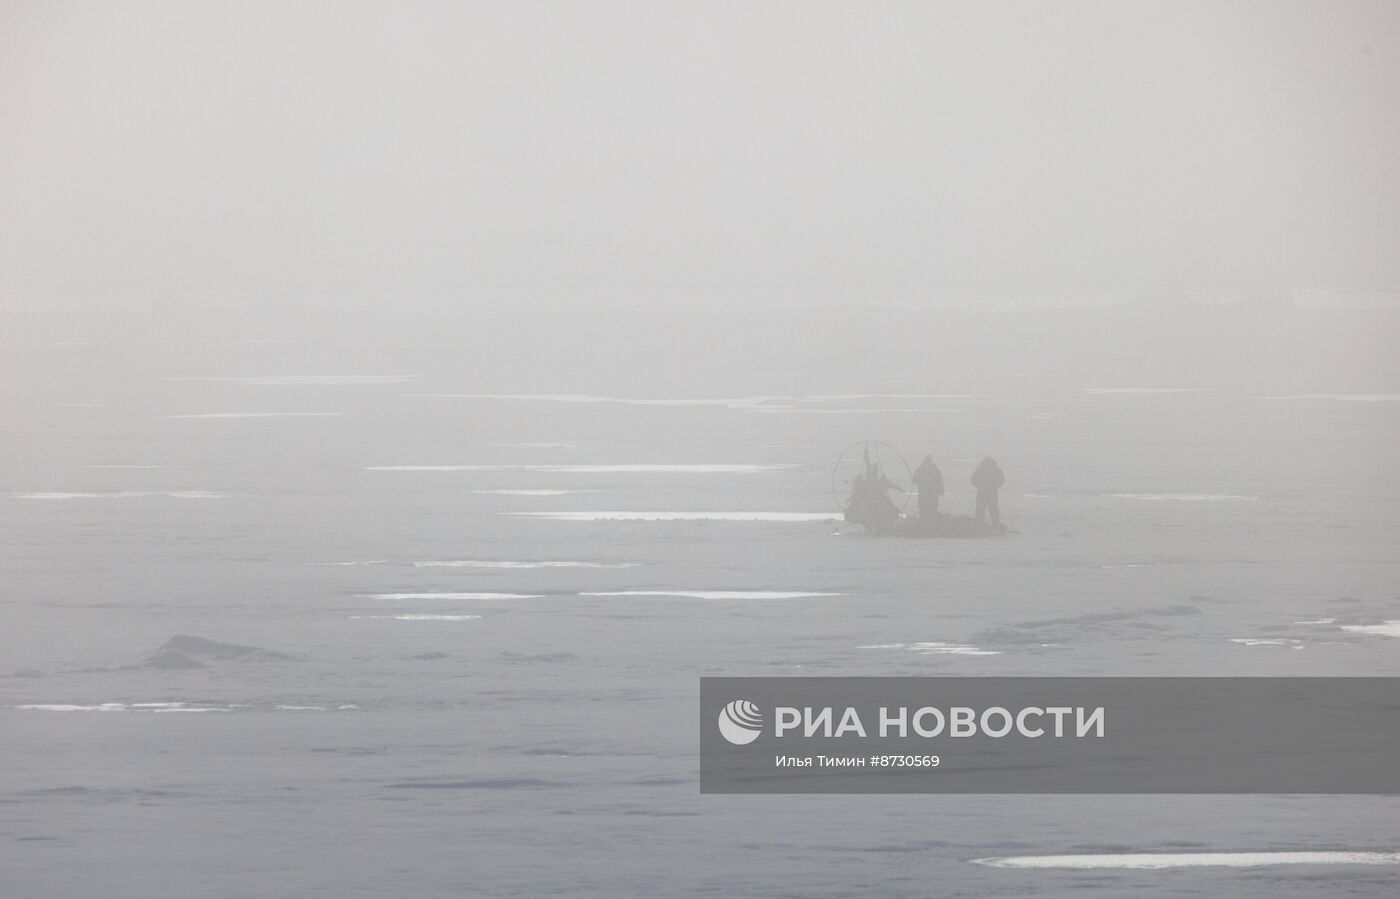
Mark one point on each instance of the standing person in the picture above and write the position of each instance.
(930, 482)
(988, 480)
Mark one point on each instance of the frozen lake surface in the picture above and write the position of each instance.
(279, 626)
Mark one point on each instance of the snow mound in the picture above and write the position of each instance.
(201, 651)
(172, 660)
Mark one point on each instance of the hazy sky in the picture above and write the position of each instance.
(861, 149)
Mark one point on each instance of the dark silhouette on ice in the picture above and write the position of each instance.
(870, 504)
(988, 479)
(929, 480)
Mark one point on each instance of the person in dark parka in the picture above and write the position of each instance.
(988, 480)
(930, 483)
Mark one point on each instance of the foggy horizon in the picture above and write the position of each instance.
(853, 154)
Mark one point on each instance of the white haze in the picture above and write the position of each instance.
(853, 151)
(428, 394)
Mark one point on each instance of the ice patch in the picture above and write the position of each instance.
(256, 415)
(125, 466)
(194, 709)
(491, 596)
(533, 492)
(1343, 397)
(423, 617)
(309, 380)
(831, 397)
(502, 564)
(1153, 860)
(159, 708)
(950, 649)
(704, 468)
(744, 402)
(935, 648)
(60, 707)
(716, 594)
(766, 402)
(1184, 497)
(124, 707)
(324, 380)
(807, 409)
(1114, 391)
(479, 563)
(126, 494)
(1384, 629)
(680, 516)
